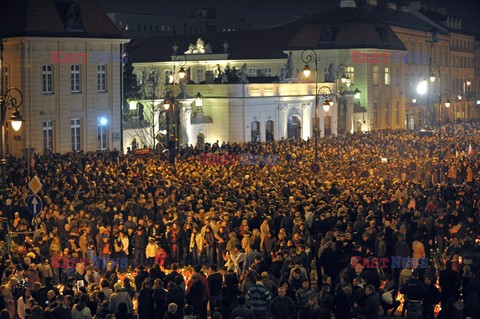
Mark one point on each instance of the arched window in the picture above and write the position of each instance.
(47, 78)
(269, 131)
(255, 131)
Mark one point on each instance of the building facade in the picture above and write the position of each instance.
(67, 63)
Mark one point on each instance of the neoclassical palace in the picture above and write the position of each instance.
(369, 60)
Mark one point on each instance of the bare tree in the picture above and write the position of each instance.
(145, 121)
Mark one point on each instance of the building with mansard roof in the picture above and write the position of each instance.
(278, 101)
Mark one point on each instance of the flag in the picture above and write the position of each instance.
(470, 149)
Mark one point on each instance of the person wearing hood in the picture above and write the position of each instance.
(120, 295)
(80, 310)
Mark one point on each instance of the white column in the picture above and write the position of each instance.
(349, 116)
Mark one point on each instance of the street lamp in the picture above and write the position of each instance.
(182, 73)
(422, 88)
(357, 94)
(342, 74)
(12, 99)
(466, 82)
(306, 71)
(414, 100)
(447, 103)
(172, 144)
(308, 56)
(446, 94)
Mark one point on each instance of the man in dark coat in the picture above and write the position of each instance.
(242, 311)
(371, 305)
(449, 283)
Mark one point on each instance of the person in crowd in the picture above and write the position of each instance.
(120, 296)
(242, 310)
(146, 301)
(281, 220)
(415, 292)
(282, 306)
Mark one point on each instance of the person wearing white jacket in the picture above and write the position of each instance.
(151, 252)
(196, 245)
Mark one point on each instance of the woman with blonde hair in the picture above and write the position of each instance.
(246, 244)
(418, 252)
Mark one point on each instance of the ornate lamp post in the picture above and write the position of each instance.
(12, 99)
(173, 142)
(446, 97)
(308, 56)
(466, 82)
(433, 68)
(342, 74)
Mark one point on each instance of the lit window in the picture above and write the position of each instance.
(351, 73)
(75, 130)
(252, 72)
(101, 85)
(267, 72)
(47, 137)
(47, 78)
(102, 133)
(375, 75)
(7, 77)
(75, 78)
(387, 76)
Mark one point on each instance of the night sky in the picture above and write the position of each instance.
(272, 12)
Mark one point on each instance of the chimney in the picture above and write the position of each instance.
(392, 5)
(372, 2)
(348, 4)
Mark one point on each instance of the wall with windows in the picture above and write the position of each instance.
(63, 102)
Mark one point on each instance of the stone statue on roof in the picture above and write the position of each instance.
(289, 67)
(200, 46)
(208, 48)
(330, 77)
(242, 74)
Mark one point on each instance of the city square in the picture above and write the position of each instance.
(203, 165)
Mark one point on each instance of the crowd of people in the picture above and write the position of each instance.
(121, 236)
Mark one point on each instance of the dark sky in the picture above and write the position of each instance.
(275, 11)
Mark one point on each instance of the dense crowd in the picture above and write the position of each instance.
(121, 236)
